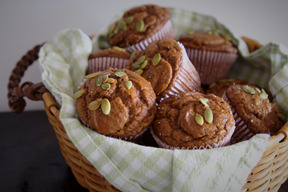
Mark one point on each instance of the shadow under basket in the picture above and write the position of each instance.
(268, 175)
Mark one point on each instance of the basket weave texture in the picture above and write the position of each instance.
(268, 175)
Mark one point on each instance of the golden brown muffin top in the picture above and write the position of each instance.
(254, 108)
(219, 88)
(111, 52)
(116, 102)
(137, 24)
(208, 41)
(178, 122)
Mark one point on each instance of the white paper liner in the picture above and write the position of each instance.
(224, 142)
(166, 32)
(242, 132)
(211, 65)
(186, 79)
(103, 63)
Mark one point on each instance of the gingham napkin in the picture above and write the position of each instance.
(132, 167)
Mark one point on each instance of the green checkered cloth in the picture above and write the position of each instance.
(132, 167)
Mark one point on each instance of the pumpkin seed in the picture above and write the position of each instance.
(111, 80)
(128, 84)
(132, 55)
(129, 20)
(208, 115)
(156, 59)
(139, 62)
(105, 86)
(140, 26)
(264, 95)
(91, 75)
(105, 106)
(122, 24)
(144, 64)
(249, 89)
(119, 73)
(139, 71)
(99, 81)
(204, 101)
(258, 90)
(94, 104)
(78, 94)
(199, 119)
(104, 78)
(118, 48)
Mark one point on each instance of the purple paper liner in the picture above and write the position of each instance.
(103, 63)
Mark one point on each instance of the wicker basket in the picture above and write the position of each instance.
(268, 175)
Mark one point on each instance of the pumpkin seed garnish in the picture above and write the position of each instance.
(208, 115)
(156, 59)
(199, 119)
(132, 55)
(249, 89)
(99, 81)
(128, 84)
(129, 20)
(143, 65)
(264, 95)
(118, 48)
(139, 62)
(258, 90)
(78, 94)
(105, 78)
(111, 80)
(105, 106)
(122, 24)
(91, 75)
(204, 101)
(105, 86)
(94, 104)
(119, 73)
(140, 26)
(139, 71)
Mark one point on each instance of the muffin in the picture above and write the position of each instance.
(219, 87)
(140, 26)
(212, 54)
(165, 64)
(253, 112)
(101, 60)
(193, 121)
(117, 103)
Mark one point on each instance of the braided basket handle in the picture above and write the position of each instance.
(32, 91)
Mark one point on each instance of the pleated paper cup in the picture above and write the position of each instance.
(166, 32)
(103, 63)
(211, 65)
(242, 132)
(186, 79)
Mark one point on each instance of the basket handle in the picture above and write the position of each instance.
(32, 91)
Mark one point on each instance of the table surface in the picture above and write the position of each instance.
(31, 159)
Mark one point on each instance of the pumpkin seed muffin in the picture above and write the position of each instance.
(101, 60)
(140, 26)
(219, 88)
(212, 54)
(193, 121)
(165, 64)
(253, 112)
(117, 103)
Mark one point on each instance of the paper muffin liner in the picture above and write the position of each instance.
(103, 63)
(166, 32)
(211, 65)
(224, 142)
(186, 79)
(242, 132)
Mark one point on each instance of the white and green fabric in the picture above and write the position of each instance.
(132, 167)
